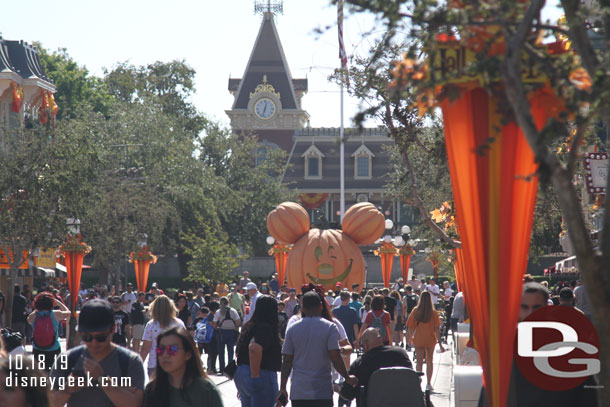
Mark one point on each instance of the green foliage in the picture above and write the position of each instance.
(213, 256)
(77, 91)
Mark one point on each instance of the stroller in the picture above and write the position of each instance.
(393, 387)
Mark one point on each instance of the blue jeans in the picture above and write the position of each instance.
(259, 392)
(226, 338)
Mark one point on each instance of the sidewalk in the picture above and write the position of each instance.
(442, 381)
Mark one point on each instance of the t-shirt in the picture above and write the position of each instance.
(225, 321)
(222, 289)
(200, 392)
(425, 332)
(337, 301)
(448, 292)
(390, 306)
(252, 306)
(283, 323)
(309, 340)
(581, 300)
(130, 298)
(121, 320)
(95, 396)
(458, 311)
(434, 291)
(184, 315)
(264, 336)
(236, 300)
(19, 304)
(274, 285)
(385, 318)
(348, 318)
(244, 282)
(151, 332)
(355, 305)
(290, 304)
(137, 313)
(374, 359)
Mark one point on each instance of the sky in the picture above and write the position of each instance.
(215, 38)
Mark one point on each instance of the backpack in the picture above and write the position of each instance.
(44, 331)
(124, 356)
(204, 332)
(227, 316)
(411, 302)
(379, 325)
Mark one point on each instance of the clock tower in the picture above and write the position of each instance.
(267, 99)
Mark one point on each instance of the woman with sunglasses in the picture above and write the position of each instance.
(163, 317)
(179, 377)
(259, 356)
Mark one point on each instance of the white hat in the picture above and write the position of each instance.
(154, 285)
(251, 286)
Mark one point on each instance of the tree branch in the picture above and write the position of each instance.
(580, 38)
(413, 185)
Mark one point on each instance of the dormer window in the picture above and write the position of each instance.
(313, 162)
(363, 163)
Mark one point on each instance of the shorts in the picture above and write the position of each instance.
(399, 326)
(138, 331)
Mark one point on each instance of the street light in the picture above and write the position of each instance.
(405, 230)
(143, 241)
(73, 226)
(270, 240)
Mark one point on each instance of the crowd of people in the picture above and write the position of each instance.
(259, 334)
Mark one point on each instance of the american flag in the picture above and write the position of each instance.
(342, 54)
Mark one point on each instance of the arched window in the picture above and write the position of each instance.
(363, 163)
(313, 162)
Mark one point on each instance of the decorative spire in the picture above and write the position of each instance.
(268, 6)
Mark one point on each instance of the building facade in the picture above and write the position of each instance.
(268, 103)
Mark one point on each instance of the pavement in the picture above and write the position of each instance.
(442, 380)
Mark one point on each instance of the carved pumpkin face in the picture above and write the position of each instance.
(325, 257)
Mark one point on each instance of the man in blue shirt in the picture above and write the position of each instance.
(347, 316)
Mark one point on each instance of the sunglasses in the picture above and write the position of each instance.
(89, 338)
(171, 350)
(116, 302)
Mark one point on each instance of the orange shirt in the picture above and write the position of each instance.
(425, 332)
(222, 289)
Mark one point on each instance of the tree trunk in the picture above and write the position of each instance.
(183, 260)
(10, 295)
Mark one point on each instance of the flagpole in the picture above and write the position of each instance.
(343, 58)
(342, 153)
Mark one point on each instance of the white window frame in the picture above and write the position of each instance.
(313, 152)
(363, 151)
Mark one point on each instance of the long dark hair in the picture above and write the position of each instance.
(424, 309)
(265, 312)
(37, 396)
(160, 385)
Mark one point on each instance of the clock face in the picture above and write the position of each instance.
(264, 108)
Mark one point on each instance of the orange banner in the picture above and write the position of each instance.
(5, 261)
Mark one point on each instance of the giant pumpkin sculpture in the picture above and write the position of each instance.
(325, 257)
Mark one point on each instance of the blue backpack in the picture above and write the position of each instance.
(204, 332)
(378, 324)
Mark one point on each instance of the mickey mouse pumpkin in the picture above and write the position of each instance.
(329, 256)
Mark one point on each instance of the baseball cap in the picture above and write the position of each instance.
(96, 316)
(339, 284)
(251, 286)
(154, 285)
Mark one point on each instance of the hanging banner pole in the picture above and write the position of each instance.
(343, 58)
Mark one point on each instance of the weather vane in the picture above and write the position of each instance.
(269, 6)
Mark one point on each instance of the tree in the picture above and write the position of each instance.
(41, 182)
(580, 78)
(77, 90)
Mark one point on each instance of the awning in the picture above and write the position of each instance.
(60, 270)
(47, 272)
